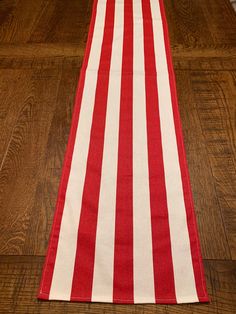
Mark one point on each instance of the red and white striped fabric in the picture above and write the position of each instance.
(124, 229)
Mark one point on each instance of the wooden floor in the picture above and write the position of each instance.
(41, 50)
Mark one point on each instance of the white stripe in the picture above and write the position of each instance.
(180, 244)
(143, 258)
(104, 251)
(65, 259)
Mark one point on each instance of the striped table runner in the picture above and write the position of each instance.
(124, 230)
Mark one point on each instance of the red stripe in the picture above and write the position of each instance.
(84, 261)
(162, 258)
(123, 255)
(191, 219)
(48, 269)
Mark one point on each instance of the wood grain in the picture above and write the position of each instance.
(207, 206)
(63, 21)
(19, 20)
(201, 23)
(214, 97)
(41, 50)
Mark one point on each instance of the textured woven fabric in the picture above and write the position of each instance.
(124, 230)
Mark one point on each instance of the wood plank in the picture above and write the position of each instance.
(201, 23)
(205, 64)
(179, 51)
(215, 101)
(63, 21)
(44, 21)
(221, 19)
(46, 50)
(17, 23)
(36, 240)
(207, 209)
(53, 62)
(184, 28)
(19, 280)
(27, 100)
(27, 114)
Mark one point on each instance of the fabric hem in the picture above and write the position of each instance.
(188, 299)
